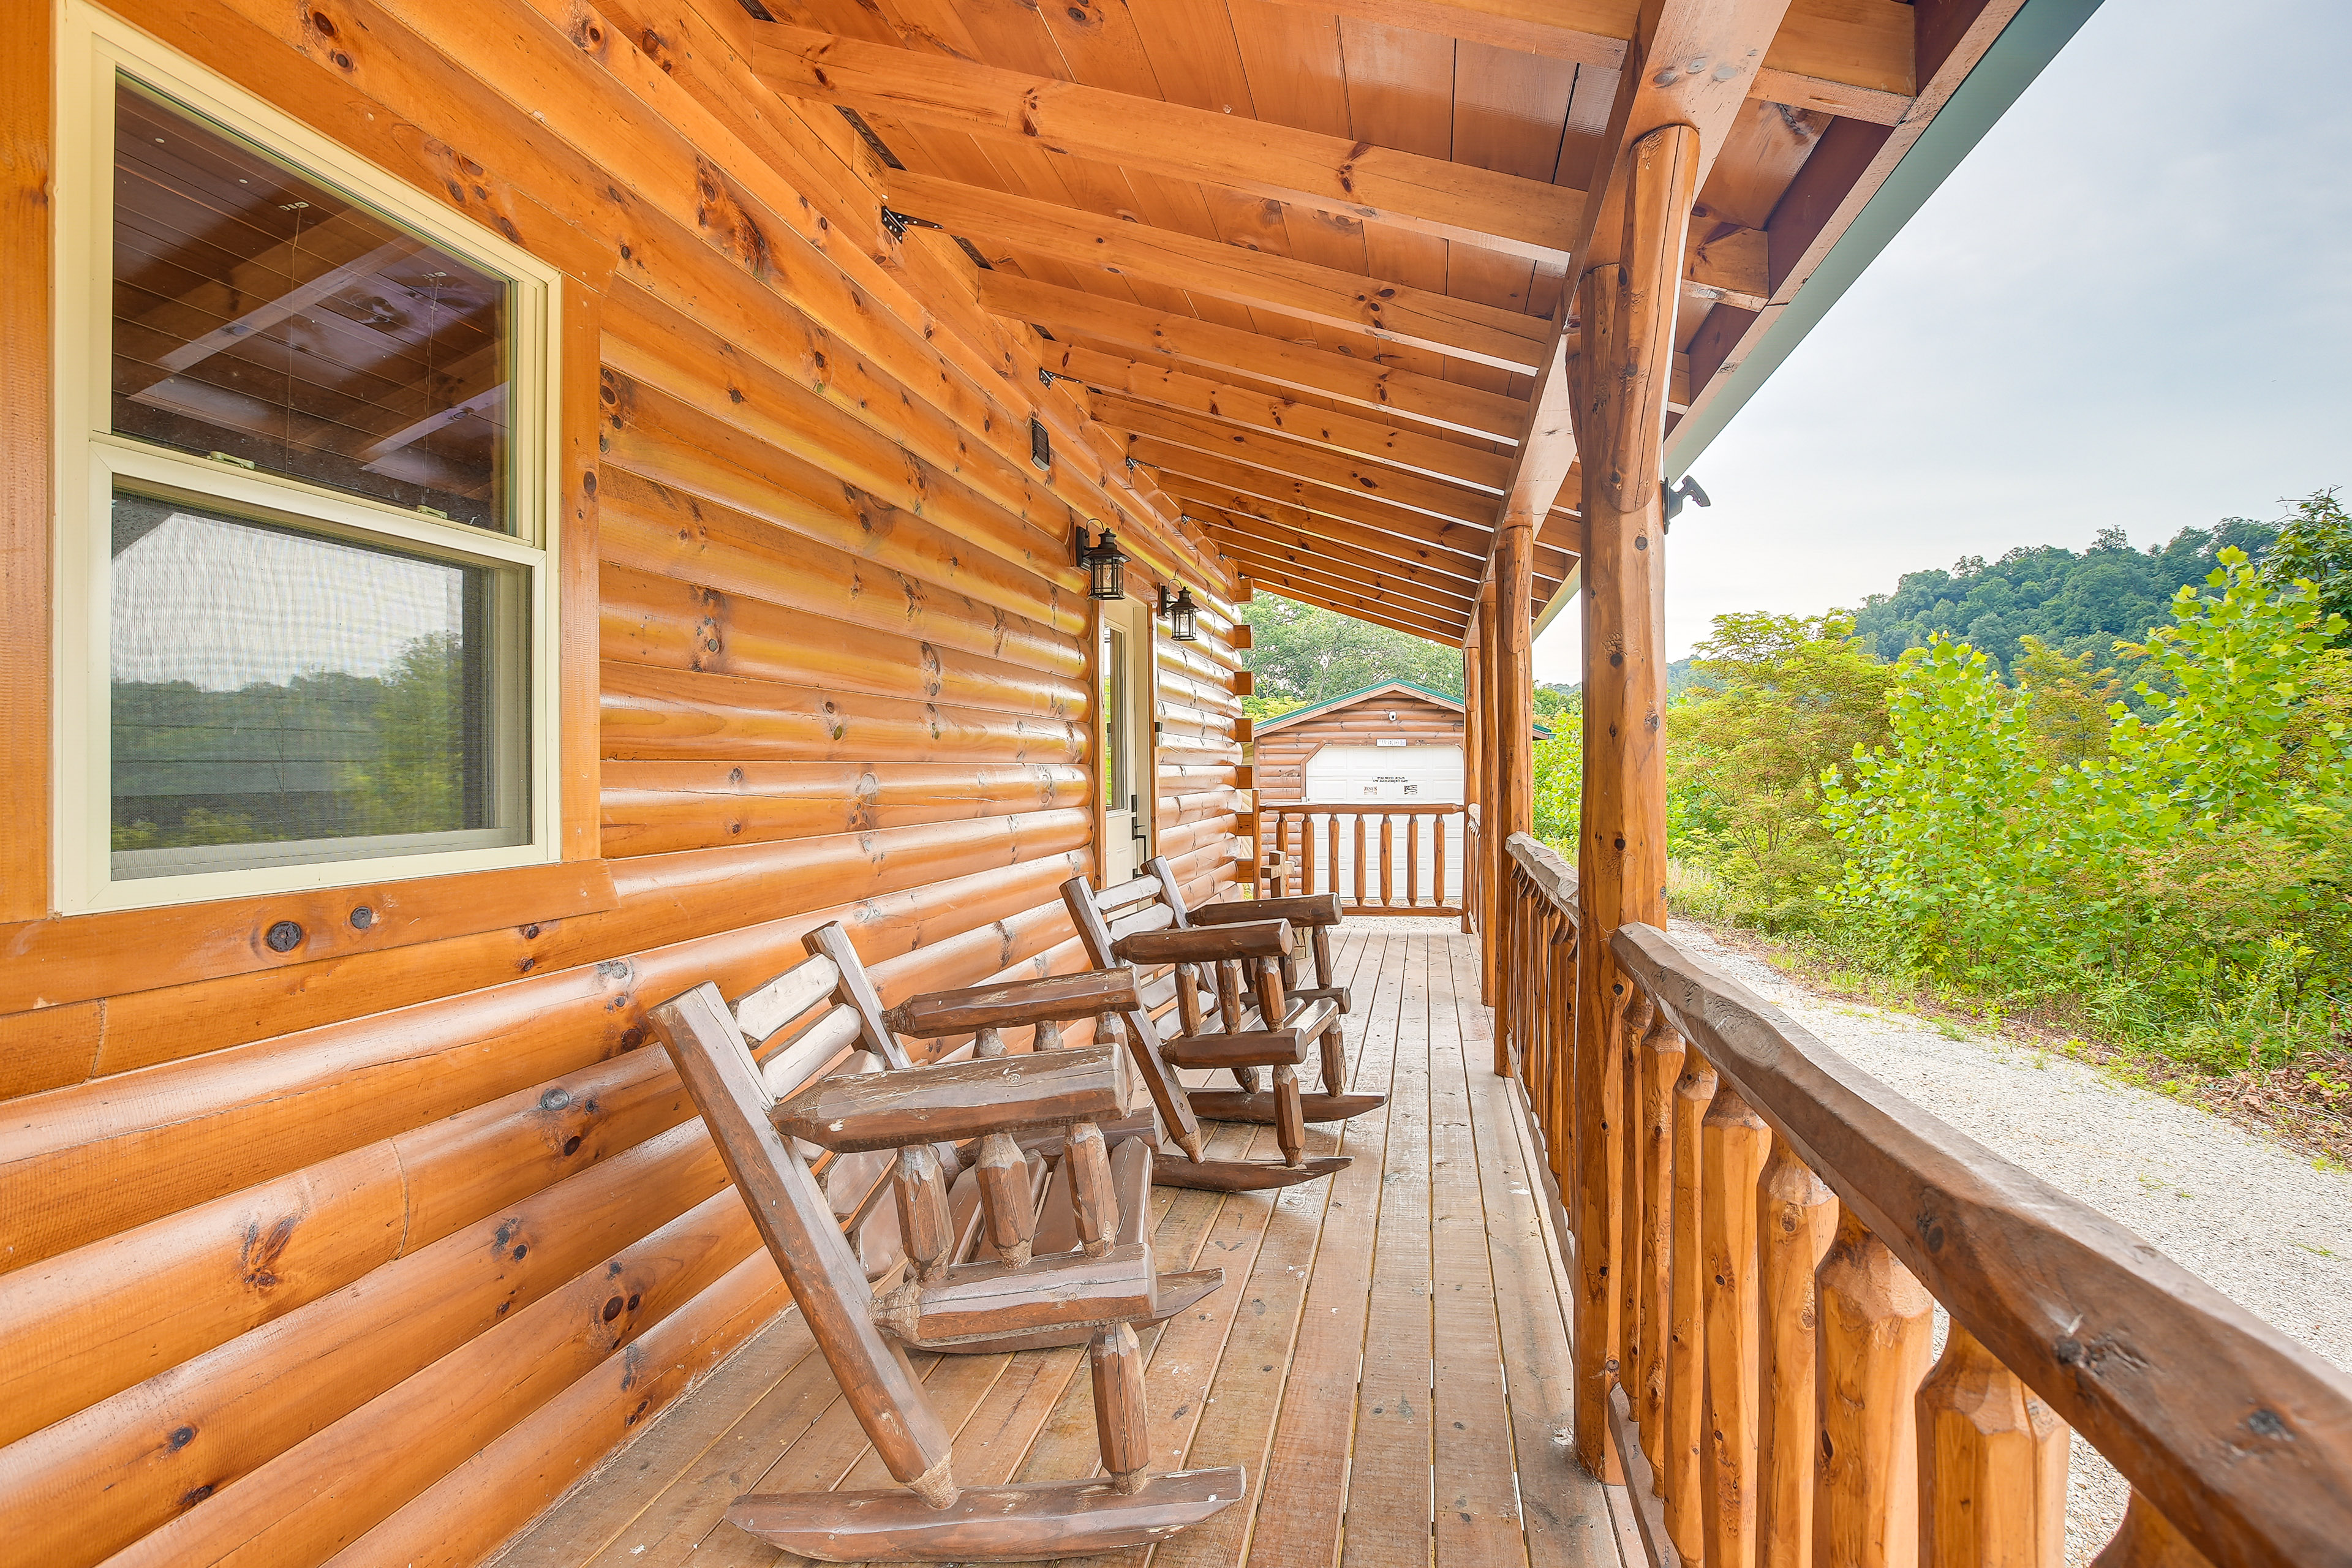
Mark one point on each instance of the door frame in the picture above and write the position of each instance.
(1138, 717)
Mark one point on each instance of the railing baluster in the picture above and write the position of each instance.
(1734, 1140)
(1639, 1021)
(1686, 1398)
(1562, 968)
(1413, 859)
(1876, 1324)
(1437, 864)
(1992, 1466)
(1796, 1221)
(1383, 828)
(1332, 843)
(1653, 1123)
(1358, 818)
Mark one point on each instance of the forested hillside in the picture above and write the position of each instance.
(2074, 603)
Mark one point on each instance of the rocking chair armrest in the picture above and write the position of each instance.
(1257, 939)
(1058, 998)
(1307, 911)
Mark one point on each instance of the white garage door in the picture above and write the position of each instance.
(1418, 774)
(1388, 775)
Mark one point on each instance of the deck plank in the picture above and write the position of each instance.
(1476, 1522)
(1311, 1440)
(1565, 1511)
(1252, 1379)
(1362, 1319)
(1388, 1522)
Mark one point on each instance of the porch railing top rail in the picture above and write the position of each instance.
(2239, 1437)
(1361, 808)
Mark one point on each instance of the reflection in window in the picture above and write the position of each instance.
(265, 317)
(279, 696)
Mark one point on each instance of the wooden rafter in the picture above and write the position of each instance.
(1178, 464)
(1366, 437)
(1229, 529)
(1299, 459)
(1464, 328)
(1187, 339)
(1349, 599)
(1848, 57)
(1406, 596)
(1350, 179)
(1459, 551)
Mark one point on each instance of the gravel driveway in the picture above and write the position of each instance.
(2259, 1221)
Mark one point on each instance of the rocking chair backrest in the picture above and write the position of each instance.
(791, 1211)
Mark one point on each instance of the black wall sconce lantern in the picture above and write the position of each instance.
(1183, 615)
(1106, 566)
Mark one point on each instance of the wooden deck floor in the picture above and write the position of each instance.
(1388, 1356)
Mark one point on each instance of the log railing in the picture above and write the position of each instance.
(1380, 859)
(1762, 1231)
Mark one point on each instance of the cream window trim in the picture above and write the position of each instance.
(94, 47)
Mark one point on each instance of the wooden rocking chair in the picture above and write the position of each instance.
(1313, 917)
(1136, 923)
(760, 1112)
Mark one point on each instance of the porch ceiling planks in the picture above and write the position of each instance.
(1348, 180)
(1438, 321)
(1309, 260)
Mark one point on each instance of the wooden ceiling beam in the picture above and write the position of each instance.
(1171, 388)
(1272, 485)
(1454, 594)
(1463, 329)
(1198, 499)
(1849, 57)
(1288, 455)
(1159, 339)
(1350, 599)
(1190, 476)
(1257, 559)
(1354, 180)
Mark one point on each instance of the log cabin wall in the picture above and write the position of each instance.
(368, 1252)
(1280, 755)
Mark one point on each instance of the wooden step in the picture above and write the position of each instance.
(1015, 1523)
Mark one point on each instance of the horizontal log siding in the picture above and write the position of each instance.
(367, 1260)
(1281, 755)
(1200, 805)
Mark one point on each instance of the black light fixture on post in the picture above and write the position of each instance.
(1106, 566)
(1183, 615)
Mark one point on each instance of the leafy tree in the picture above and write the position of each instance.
(1301, 654)
(2190, 878)
(1777, 701)
(2314, 546)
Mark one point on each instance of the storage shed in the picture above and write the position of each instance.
(1383, 757)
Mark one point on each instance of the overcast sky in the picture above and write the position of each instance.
(2128, 307)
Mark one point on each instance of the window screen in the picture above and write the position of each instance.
(281, 695)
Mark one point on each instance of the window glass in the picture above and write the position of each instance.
(262, 316)
(281, 695)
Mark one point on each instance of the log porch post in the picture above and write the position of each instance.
(1474, 770)
(1490, 778)
(1512, 682)
(1618, 383)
